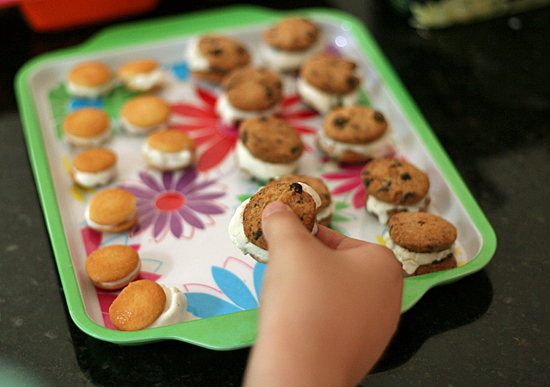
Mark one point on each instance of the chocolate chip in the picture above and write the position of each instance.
(216, 52)
(406, 176)
(379, 117)
(351, 81)
(297, 187)
(407, 196)
(268, 91)
(257, 234)
(244, 136)
(366, 182)
(241, 51)
(340, 121)
(295, 149)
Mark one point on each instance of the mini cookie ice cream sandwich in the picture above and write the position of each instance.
(113, 267)
(249, 92)
(90, 80)
(145, 304)
(87, 127)
(268, 147)
(423, 243)
(143, 114)
(355, 134)
(112, 210)
(141, 75)
(169, 150)
(394, 186)
(94, 167)
(327, 81)
(287, 44)
(213, 57)
(245, 228)
(327, 207)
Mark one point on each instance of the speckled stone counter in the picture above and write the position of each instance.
(484, 89)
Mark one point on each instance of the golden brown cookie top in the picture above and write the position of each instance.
(136, 67)
(421, 232)
(112, 206)
(314, 182)
(331, 74)
(292, 34)
(223, 54)
(94, 160)
(354, 124)
(292, 194)
(147, 111)
(87, 122)
(271, 139)
(395, 181)
(137, 306)
(251, 88)
(171, 141)
(90, 74)
(112, 263)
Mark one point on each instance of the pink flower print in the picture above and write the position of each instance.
(349, 181)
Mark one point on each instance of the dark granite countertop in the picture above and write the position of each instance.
(485, 91)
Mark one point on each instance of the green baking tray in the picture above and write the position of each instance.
(222, 285)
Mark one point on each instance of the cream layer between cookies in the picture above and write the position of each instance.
(122, 281)
(375, 149)
(175, 308)
(94, 179)
(381, 208)
(324, 102)
(195, 59)
(135, 129)
(171, 160)
(238, 237)
(145, 81)
(89, 91)
(411, 260)
(280, 60)
(95, 225)
(231, 115)
(326, 212)
(88, 142)
(262, 170)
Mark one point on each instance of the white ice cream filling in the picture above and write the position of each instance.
(324, 102)
(238, 237)
(88, 142)
(89, 91)
(281, 60)
(326, 212)
(175, 308)
(95, 225)
(262, 170)
(136, 129)
(375, 149)
(381, 208)
(94, 179)
(145, 81)
(122, 280)
(230, 114)
(179, 159)
(195, 59)
(411, 260)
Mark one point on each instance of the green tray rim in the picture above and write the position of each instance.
(236, 330)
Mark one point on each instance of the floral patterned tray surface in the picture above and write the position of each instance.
(183, 216)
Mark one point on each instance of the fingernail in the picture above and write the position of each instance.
(273, 207)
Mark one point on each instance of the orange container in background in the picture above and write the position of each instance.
(56, 15)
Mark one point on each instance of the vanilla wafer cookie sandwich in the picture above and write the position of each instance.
(112, 210)
(141, 75)
(145, 113)
(94, 167)
(113, 267)
(169, 150)
(87, 127)
(91, 80)
(245, 228)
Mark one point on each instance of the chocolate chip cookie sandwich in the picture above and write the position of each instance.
(327, 206)
(288, 43)
(94, 167)
(245, 228)
(423, 242)
(90, 80)
(87, 127)
(355, 135)
(141, 75)
(144, 114)
(169, 150)
(327, 81)
(249, 92)
(146, 304)
(213, 57)
(268, 147)
(112, 210)
(113, 267)
(394, 186)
